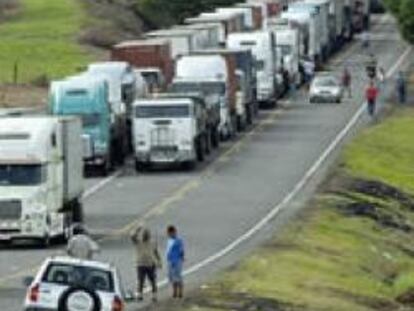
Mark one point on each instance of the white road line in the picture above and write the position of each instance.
(101, 184)
(299, 186)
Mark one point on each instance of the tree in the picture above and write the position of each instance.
(406, 19)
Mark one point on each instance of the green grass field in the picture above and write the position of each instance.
(41, 38)
(332, 258)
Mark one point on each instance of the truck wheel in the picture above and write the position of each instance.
(45, 241)
(189, 165)
(200, 149)
(77, 212)
(139, 166)
(215, 138)
(207, 143)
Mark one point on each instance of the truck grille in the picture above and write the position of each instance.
(10, 210)
(162, 137)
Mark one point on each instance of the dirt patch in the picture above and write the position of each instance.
(377, 213)
(406, 298)
(374, 303)
(380, 190)
(22, 96)
(112, 22)
(8, 9)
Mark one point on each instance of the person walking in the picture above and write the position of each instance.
(148, 260)
(175, 258)
(371, 94)
(347, 81)
(81, 245)
(401, 87)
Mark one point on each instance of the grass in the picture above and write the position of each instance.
(41, 39)
(330, 260)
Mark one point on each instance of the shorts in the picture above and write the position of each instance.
(175, 272)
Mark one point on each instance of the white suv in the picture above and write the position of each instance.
(71, 284)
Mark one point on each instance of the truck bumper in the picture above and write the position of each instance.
(160, 157)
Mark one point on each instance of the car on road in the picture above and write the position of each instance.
(71, 284)
(325, 87)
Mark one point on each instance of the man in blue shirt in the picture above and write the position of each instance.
(175, 259)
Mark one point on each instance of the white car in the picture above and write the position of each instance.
(325, 87)
(71, 284)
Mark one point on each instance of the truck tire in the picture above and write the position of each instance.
(215, 137)
(77, 212)
(76, 292)
(199, 147)
(140, 166)
(189, 165)
(45, 241)
(207, 142)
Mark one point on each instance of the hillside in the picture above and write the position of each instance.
(44, 40)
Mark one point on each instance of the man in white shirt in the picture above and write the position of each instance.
(81, 245)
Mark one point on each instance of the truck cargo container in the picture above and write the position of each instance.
(262, 45)
(228, 23)
(103, 131)
(288, 40)
(209, 33)
(257, 14)
(312, 42)
(182, 41)
(246, 14)
(146, 54)
(169, 130)
(329, 30)
(320, 16)
(41, 182)
(337, 17)
(219, 73)
(272, 7)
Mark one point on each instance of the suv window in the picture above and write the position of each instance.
(92, 278)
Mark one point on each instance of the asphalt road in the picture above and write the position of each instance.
(217, 205)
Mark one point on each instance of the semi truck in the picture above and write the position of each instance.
(246, 97)
(41, 181)
(170, 129)
(262, 46)
(209, 34)
(103, 137)
(217, 72)
(152, 57)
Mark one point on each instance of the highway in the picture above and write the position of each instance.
(243, 193)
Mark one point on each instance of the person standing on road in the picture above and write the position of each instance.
(401, 87)
(148, 260)
(175, 258)
(81, 245)
(371, 94)
(347, 81)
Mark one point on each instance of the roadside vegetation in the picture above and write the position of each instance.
(352, 250)
(39, 42)
(404, 11)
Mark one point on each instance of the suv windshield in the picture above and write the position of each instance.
(92, 278)
(157, 111)
(207, 88)
(326, 81)
(21, 175)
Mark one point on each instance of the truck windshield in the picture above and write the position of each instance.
(207, 88)
(21, 175)
(90, 120)
(156, 111)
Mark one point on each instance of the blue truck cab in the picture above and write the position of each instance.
(88, 98)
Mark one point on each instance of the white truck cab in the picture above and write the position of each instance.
(168, 130)
(41, 181)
